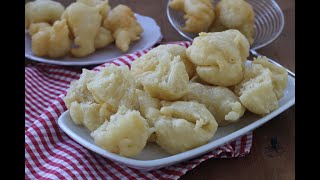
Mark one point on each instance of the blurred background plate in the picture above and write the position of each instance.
(150, 36)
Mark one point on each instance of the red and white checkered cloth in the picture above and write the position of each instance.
(51, 154)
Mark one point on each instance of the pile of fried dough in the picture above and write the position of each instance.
(203, 16)
(175, 96)
(81, 28)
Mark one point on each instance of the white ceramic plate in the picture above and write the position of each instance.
(153, 157)
(150, 36)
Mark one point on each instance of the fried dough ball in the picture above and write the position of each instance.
(53, 42)
(248, 31)
(126, 133)
(42, 11)
(168, 81)
(199, 14)
(263, 85)
(190, 67)
(184, 126)
(149, 107)
(78, 91)
(279, 75)
(162, 73)
(124, 26)
(149, 61)
(217, 26)
(235, 14)
(114, 85)
(197, 79)
(103, 38)
(223, 104)
(220, 57)
(84, 22)
(177, 5)
(102, 6)
(256, 90)
(36, 27)
(91, 115)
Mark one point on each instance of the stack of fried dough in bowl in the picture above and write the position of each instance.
(174, 96)
(216, 16)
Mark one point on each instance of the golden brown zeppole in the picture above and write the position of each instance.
(84, 22)
(157, 102)
(114, 85)
(79, 29)
(169, 81)
(103, 38)
(149, 108)
(234, 14)
(162, 72)
(223, 104)
(184, 126)
(262, 87)
(199, 14)
(219, 57)
(279, 75)
(124, 26)
(36, 27)
(126, 133)
(90, 114)
(42, 11)
(102, 6)
(50, 41)
(78, 90)
(85, 18)
(149, 61)
(84, 110)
